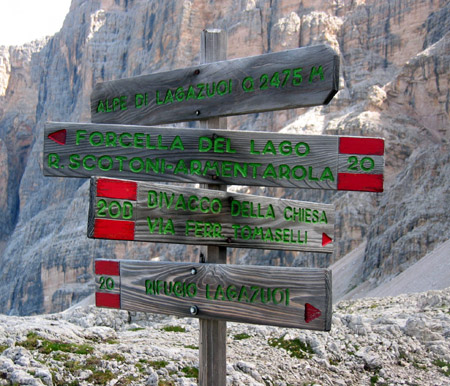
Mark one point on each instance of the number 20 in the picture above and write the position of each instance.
(106, 283)
(366, 164)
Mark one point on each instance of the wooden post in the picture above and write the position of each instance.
(213, 333)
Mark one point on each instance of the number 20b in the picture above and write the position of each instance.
(114, 209)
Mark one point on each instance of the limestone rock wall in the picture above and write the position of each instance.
(394, 83)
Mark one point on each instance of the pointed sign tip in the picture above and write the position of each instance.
(311, 313)
(326, 239)
(58, 136)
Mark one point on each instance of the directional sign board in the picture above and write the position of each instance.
(127, 210)
(278, 296)
(214, 156)
(307, 76)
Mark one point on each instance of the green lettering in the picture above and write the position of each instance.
(274, 295)
(188, 290)
(305, 149)
(308, 215)
(138, 101)
(123, 102)
(181, 167)
(270, 212)
(96, 134)
(231, 292)
(190, 93)
(140, 165)
(100, 107)
(284, 171)
(256, 290)
(316, 72)
(120, 159)
(151, 224)
(267, 297)
(74, 161)
(248, 84)
(204, 144)
(285, 148)
(101, 164)
(181, 203)
(269, 235)
(302, 169)
(226, 169)
(270, 172)
(177, 143)
(224, 88)
(196, 167)
(192, 199)
(210, 93)
(219, 292)
(179, 94)
(169, 228)
(79, 136)
(323, 218)
(158, 101)
(127, 211)
(269, 148)
(327, 174)
(152, 200)
(139, 140)
(169, 97)
(178, 289)
(121, 138)
(242, 169)
(167, 201)
(213, 166)
(310, 174)
(278, 235)
(149, 287)
(53, 160)
(110, 139)
(85, 165)
(252, 145)
(201, 87)
(242, 294)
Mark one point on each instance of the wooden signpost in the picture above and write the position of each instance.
(144, 211)
(301, 77)
(127, 210)
(277, 296)
(214, 156)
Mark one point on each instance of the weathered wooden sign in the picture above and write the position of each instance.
(214, 156)
(127, 210)
(307, 76)
(278, 296)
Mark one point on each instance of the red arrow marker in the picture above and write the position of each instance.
(311, 313)
(326, 239)
(59, 136)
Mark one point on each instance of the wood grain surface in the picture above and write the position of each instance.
(184, 215)
(301, 77)
(209, 156)
(272, 295)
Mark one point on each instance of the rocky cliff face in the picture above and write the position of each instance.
(394, 83)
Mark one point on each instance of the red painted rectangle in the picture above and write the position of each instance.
(107, 300)
(360, 182)
(113, 229)
(362, 146)
(109, 268)
(111, 188)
